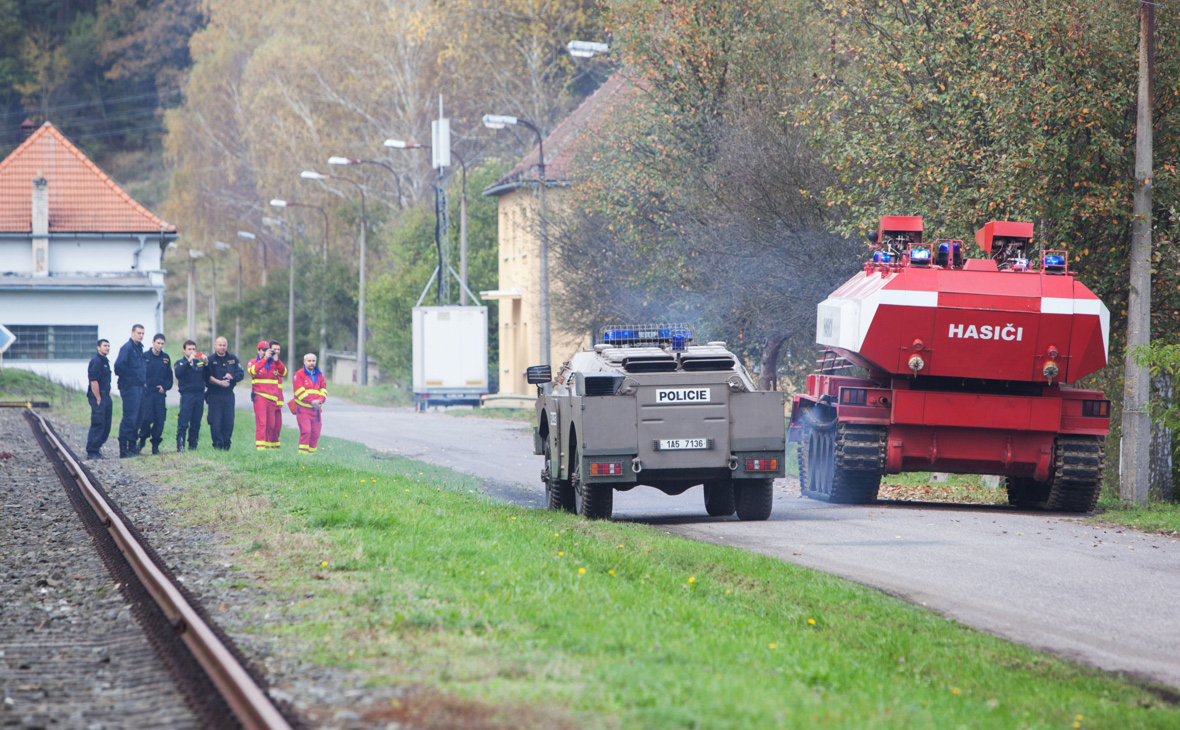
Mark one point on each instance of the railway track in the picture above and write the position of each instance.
(218, 685)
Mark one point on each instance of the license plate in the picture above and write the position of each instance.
(680, 444)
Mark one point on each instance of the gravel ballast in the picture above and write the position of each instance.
(71, 655)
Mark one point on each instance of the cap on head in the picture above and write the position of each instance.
(263, 345)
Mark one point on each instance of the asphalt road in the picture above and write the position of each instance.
(1104, 596)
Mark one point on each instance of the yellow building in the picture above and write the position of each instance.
(518, 289)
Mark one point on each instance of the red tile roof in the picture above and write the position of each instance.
(562, 143)
(82, 198)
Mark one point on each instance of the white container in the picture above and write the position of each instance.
(450, 347)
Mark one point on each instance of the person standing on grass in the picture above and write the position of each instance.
(222, 372)
(190, 382)
(274, 422)
(265, 392)
(131, 371)
(310, 393)
(153, 412)
(98, 394)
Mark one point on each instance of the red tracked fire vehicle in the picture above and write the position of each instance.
(966, 363)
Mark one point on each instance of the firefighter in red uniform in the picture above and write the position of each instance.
(274, 424)
(310, 394)
(266, 392)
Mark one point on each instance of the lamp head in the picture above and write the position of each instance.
(311, 175)
(399, 144)
(246, 235)
(341, 161)
(195, 254)
(586, 49)
(222, 246)
(498, 121)
(277, 203)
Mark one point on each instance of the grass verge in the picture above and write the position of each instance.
(957, 488)
(408, 573)
(385, 394)
(1162, 517)
(19, 385)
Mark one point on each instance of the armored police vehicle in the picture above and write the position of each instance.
(646, 407)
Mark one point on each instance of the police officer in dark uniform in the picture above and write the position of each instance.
(98, 394)
(131, 372)
(158, 374)
(190, 381)
(223, 372)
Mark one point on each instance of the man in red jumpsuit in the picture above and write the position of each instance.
(310, 394)
(274, 423)
(266, 392)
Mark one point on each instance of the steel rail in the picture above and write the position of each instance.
(249, 703)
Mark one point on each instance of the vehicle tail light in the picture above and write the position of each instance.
(1096, 408)
(606, 469)
(853, 396)
(763, 464)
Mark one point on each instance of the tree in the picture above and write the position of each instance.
(692, 201)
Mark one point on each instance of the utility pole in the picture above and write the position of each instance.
(440, 152)
(1135, 451)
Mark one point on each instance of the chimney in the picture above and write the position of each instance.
(40, 225)
(26, 129)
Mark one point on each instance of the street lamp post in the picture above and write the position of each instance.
(248, 236)
(278, 203)
(192, 292)
(276, 223)
(403, 145)
(350, 161)
(494, 121)
(217, 246)
(362, 362)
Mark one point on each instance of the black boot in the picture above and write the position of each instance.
(139, 446)
(179, 448)
(156, 448)
(124, 452)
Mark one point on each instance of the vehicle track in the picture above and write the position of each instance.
(216, 682)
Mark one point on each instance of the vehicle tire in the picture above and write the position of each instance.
(592, 501)
(559, 494)
(1026, 492)
(1077, 476)
(753, 498)
(1078, 467)
(843, 464)
(719, 498)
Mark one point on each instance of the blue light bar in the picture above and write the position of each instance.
(1054, 260)
(678, 336)
(920, 253)
(881, 257)
(619, 335)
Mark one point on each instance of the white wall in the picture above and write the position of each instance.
(16, 256)
(112, 312)
(103, 255)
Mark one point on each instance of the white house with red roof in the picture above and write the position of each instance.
(79, 258)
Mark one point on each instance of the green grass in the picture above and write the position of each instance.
(1157, 516)
(408, 574)
(385, 394)
(20, 385)
(524, 415)
(958, 488)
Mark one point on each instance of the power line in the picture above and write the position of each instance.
(117, 132)
(98, 102)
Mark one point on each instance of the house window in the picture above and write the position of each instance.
(52, 342)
